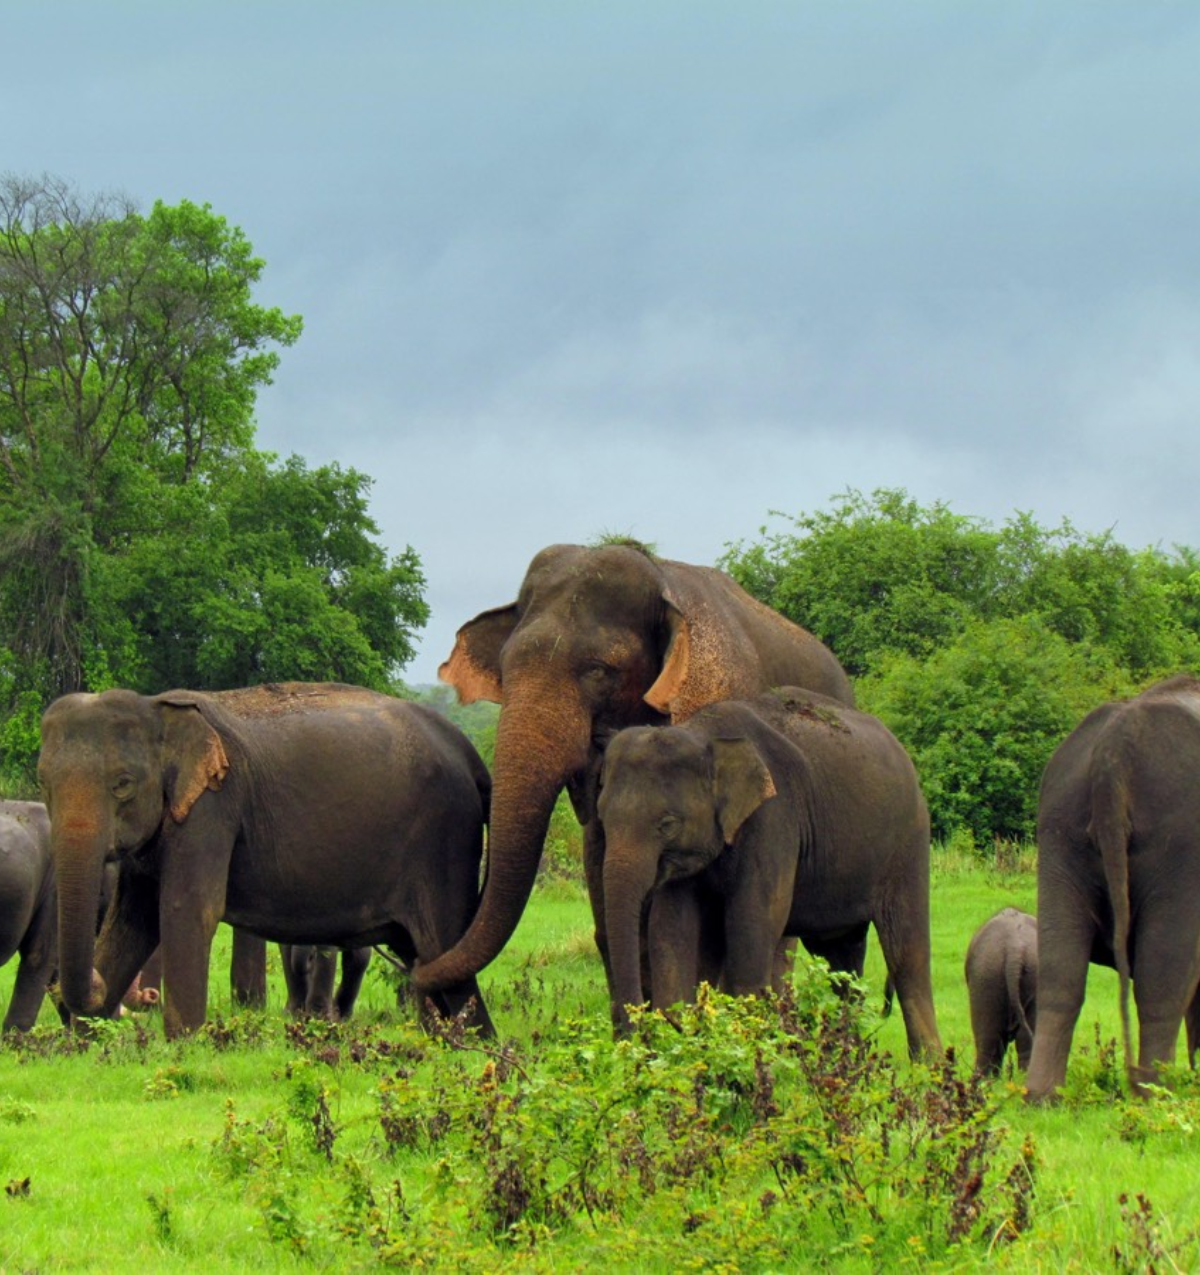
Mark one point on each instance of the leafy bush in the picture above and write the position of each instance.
(759, 1128)
(981, 716)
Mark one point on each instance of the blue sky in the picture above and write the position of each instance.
(662, 268)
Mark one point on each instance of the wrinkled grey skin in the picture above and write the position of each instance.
(310, 973)
(1001, 970)
(28, 908)
(1119, 878)
(785, 814)
(301, 813)
(599, 639)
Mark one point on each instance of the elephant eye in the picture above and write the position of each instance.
(123, 788)
(668, 825)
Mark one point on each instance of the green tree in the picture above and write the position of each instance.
(874, 575)
(980, 647)
(273, 574)
(882, 575)
(144, 541)
(130, 355)
(981, 716)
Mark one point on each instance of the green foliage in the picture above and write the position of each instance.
(981, 648)
(874, 576)
(981, 716)
(144, 542)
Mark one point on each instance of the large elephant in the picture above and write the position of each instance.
(303, 813)
(598, 639)
(310, 973)
(1119, 877)
(786, 814)
(28, 907)
(1001, 969)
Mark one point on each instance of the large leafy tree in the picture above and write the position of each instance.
(981, 647)
(143, 539)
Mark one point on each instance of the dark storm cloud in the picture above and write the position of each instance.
(662, 268)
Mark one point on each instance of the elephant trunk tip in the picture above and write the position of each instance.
(90, 1004)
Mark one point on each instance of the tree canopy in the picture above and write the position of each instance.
(981, 647)
(144, 541)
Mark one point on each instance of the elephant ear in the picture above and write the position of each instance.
(194, 759)
(706, 656)
(741, 783)
(667, 690)
(473, 668)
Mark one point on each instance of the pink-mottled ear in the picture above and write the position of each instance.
(194, 759)
(668, 686)
(473, 668)
(741, 783)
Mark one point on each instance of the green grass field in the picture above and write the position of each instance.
(264, 1146)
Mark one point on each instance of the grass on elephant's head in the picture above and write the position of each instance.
(267, 1145)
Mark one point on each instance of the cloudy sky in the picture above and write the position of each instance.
(661, 268)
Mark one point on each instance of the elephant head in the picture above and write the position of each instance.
(114, 769)
(600, 639)
(671, 801)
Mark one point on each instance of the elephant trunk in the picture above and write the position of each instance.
(78, 847)
(540, 743)
(627, 885)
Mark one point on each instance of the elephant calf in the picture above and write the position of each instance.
(1001, 971)
(786, 814)
(28, 907)
(310, 973)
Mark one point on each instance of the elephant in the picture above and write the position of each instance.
(310, 973)
(300, 812)
(600, 638)
(785, 814)
(28, 908)
(1118, 834)
(1001, 970)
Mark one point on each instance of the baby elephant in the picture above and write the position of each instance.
(784, 815)
(310, 973)
(1001, 971)
(28, 907)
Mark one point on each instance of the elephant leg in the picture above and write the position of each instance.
(593, 873)
(248, 970)
(36, 969)
(354, 967)
(989, 1024)
(322, 976)
(902, 924)
(753, 933)
(451, 1002)
(440, 912)
(294, 958)
(784, 964)
(1165, 972)
(1066, 934)
(844, 955)
(675, 934)
(191, 909)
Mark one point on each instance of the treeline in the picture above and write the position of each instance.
(144, 541)
(981, 647)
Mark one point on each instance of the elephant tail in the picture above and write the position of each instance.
(1013, 969)
(1109, 829)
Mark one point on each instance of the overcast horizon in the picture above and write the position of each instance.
(659, 270)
